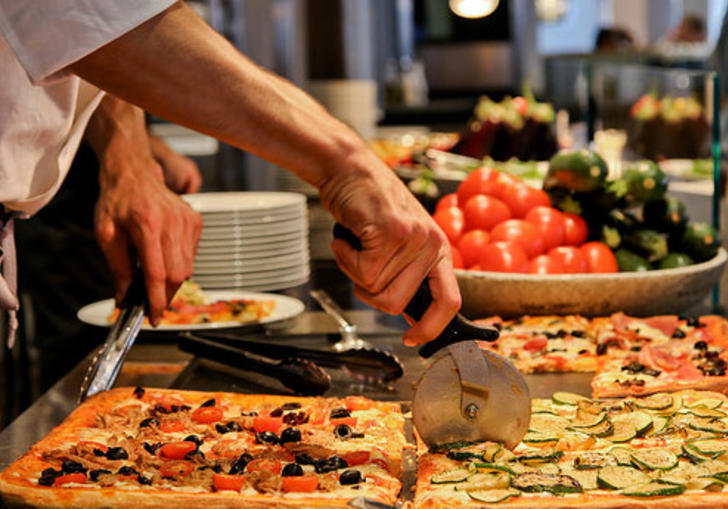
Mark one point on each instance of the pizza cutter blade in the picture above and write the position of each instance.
(468, 394)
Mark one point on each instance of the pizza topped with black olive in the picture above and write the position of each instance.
(154, 447)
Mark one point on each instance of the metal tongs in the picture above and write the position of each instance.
(106, 365)
(468, 394)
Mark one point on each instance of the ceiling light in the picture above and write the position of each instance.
(473, 8)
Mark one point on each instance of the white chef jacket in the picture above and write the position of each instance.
(43, 109)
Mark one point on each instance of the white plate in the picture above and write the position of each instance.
(215, 221)
(269, 287)
(286, 307)
(242, 201)
(254, 230)
(297, 237)
(242, 255)
(256, 278)
(254, 265)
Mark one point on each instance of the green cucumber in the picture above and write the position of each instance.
(548, 424)
(491, 451)
(667, 215)
(604, 430)
(492, 496)
(683, 473)
(645, 181)
(700, 241)
(492, 466)
(659, 424)
(695, 456)
(713, 448)
(619, 477)
(627, 261)
(534, 482)
(659, 401)
(587, 478)
(451, 476)
(705, 484)
(676, 260)
(654, 489)
(548, 468)
(474, 451)
(589, 421)
(622, 454)
(711, 426)
(642, 421)
(706, 412)
(655, 459)
(488, 480)
(594, 460)
(567, 398)
(579, 171)
(451, 445)
(712, 403)
(534, 437)
(648, 243)
(536, 457)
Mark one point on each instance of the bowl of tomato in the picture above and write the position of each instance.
(662, 291)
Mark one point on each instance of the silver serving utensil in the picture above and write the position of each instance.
(107, 362)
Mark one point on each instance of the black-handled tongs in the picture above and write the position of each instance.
(368, 364)
(300, 375)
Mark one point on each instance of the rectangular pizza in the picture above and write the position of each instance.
(162, 448)
(667, 450)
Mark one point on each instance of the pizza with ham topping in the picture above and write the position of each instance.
(155, 447)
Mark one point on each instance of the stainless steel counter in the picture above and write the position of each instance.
(164, 365)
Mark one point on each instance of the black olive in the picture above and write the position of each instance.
(161, 409)
(151, 448)
(295, 418)
(578, 333)
(305, 459)
(350, 477)
(291, 406)
(651, 372)
(139, 392)
(497, 326)
(692, 321)
(239, 464)
(636, 348)
(94, 474)
(252, 413)
(127, 470)
(48, 476)
(716, 372)
(343, 431)
(339, 413)
(700, 345)
(583, 351)
(292, 470)
(185, 407)
(357, 435)
(227, 428)
(634, 367)
(209, 402)
(330, 464)
(99, 452)
(711, 354)
(267, 437)
(550, 335)
(52, 471)
(72, 467)
(194, 439)
(143, 480)
(276, 412)
(679, 334)
(148, 422)
(601, 348)
(116, 453)
(290, 435)
(720, 363)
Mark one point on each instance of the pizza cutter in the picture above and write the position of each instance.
(467, 394)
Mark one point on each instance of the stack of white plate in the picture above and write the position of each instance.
(251, 240)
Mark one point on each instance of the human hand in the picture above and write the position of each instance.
(181, 174)
(401, 245)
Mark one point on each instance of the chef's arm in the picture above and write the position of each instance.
(178, 68)
(135, 207)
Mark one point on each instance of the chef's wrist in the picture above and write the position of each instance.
(116, 126)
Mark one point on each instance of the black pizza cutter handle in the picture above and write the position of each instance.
(459, 328)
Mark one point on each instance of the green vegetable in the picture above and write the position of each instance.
(611, 237)
(645, 181)
(490, 480)
(675, 260)
(539, 457)
(659, 401)
(654, 489)
(652, 459)
(695, 456)
(622, 454)
(619, 477)
(535, 482)
(492, 466)
(578, 171)
(567, 398)
(593, 460)
(708, 447)
(492, 496)
(451, 476)
(648, 243)
(627, 261)
(666, 215)
(701, 241)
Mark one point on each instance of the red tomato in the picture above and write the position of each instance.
(536, 344)
(354, 403)
(475, 267)
(207, 415)
(522, 232)
(76, 477)
(520, 103)
(503, 257)
(176, 450)
(303, 483)
(171, 426)
(571, 258)
(471, 244)
(599, 258)
(272, 466)
(484, 212)
(228, 482)
(481, 181)
(266, 423)
(550, 223)
(521, 198)
(544, 264)
(457, 258)
(349, 421)
(451, 221)
(356, 458)
(575, 230)
(176, 469)
(447, 201)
